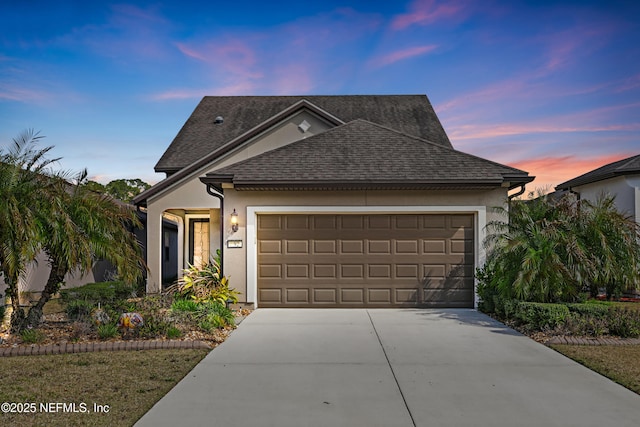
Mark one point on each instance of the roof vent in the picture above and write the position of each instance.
(219, 120)
(304, 126)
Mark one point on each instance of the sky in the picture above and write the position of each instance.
(550, 87)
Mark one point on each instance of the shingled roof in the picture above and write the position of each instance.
(410, 114)
(628, 166)
(361, 154)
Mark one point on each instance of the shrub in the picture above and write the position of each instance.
(155, 326)
(107, 331)
(79, 309)
(585, 325)
(624, 322)
(599, 302)
(173, 332)
(102, 292)
(79, 330)
(552, 250)
(206, 283)
(225, 314)
(3, 311)
(187, 305)
(486, 290)
(211, 321)
(593, 310)
(31, 336)
(540, 316)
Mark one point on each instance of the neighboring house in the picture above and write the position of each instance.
(32, 282)
(620, 179)
(340, 201)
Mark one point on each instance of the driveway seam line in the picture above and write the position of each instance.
(406, 405)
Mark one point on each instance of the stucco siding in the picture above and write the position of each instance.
(624, 188)
(189, 194)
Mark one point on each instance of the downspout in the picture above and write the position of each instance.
(509, 198)
(522, 190)
(218, 193)
(574, 192)
(577, 198)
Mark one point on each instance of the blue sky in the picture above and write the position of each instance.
(551, 87)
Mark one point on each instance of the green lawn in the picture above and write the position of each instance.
(619, 363)
(129, 383)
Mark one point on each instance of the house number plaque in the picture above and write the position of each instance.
(234, 243)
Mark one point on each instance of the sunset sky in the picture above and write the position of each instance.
(551, 87)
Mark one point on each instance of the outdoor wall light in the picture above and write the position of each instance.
(234, 221)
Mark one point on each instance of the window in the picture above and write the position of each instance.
(199, 242)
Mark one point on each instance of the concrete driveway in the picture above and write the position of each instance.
(289, 367)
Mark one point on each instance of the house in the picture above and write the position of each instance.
(327, 201)
(621, 179)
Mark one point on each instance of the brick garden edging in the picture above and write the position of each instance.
(87, 347)
(593, 341)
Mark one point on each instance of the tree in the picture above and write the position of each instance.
(95, 186)
(121, 189)
(613, 241)
(23, 194)
(126, 189)
(41, 210)
(90, 226)
(550, 251)
(529, 252)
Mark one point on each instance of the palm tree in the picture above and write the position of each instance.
(23, 194)
(40, 210)
(613, 241)
(534, 255)
(551, 251)
(86, 226)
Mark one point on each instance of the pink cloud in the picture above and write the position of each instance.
(565, 47)
(130, 32)
(553, 170)
(490, 94)
(15, 93)
(464, 132)
(285, 59)
(425, 12)
(628, 84)
(235, 57)
(401, 55)
(191, 53)
(292, 79)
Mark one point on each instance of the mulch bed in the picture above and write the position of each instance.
(61, 335)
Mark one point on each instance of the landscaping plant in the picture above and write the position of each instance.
(108, 330)
(208, 315)
(551, 251)
(206, 283)
(47, 211)
(31, 336)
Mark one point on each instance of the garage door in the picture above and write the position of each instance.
(365, 260)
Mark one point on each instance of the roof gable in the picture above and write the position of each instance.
(200, 136)
(628, 166)
(361, 153)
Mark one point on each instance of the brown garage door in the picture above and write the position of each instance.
(365, 260)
